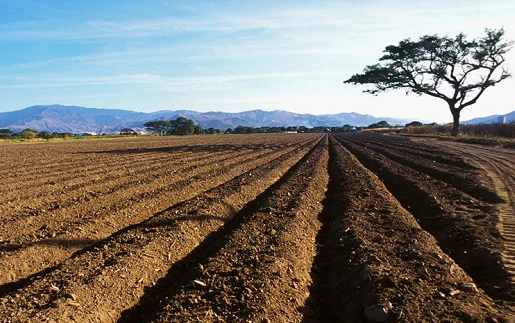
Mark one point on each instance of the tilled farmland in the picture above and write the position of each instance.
(354, 227)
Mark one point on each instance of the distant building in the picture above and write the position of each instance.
(502, 120)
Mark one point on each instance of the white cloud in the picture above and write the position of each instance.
(271, 54)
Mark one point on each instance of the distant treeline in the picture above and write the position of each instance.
(184, 126)
(179, 126)
(291, 129)
(33, 134)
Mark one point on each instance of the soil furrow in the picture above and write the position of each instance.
(64, 237)
(256, 268)
(117, 196)
(67, 163)
(433, 155)
(465, 228)
(414, 145)
(113, 170)
(87, 204)
(114, 153)
(160, 229)
(97, 283)
(107, 170)
(376, 264)
(469, 182)
(89, 186)
(62, 170)
(68, 181)
(501, 169)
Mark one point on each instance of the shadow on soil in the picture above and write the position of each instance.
(185, 270)
(315, 308)
(49, 242)
(454, 233)
(321, 306)
(18, 284)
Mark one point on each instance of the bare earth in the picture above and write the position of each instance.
(257, 228)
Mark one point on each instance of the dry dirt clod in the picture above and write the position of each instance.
(377, 312)
(454, 292)
(200, 283)
(54, 289)
(71, 296)
(469, 287)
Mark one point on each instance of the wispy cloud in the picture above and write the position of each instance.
(327, 16)
(156, 81)
(268, 52)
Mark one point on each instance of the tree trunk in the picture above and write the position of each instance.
(455, 121)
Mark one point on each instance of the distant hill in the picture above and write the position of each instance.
(510, 117)
(76, 119)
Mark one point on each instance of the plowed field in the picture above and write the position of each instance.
(257, 228)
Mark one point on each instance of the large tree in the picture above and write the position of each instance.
(455, 70)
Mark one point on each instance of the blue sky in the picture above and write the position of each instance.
(229, 55)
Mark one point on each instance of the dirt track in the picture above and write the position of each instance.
(258, 228)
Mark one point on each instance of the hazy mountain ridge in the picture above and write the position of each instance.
(510, 117)
(76, 119)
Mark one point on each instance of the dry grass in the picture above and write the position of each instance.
(482, 130)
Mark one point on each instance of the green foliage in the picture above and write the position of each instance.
(158, 127)
(414, 124)
(455, 70)
(128, 132)
(5, 133)
(182, 126)
(179, 126)
(301, 129)
(212, 131)
(44, 135)
(380, 124)
(27, 134)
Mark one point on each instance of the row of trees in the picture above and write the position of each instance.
(184, 126)
(179, 126)
(302, 129)
(32, 134)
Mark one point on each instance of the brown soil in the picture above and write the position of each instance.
(500, 165)
(257, 228)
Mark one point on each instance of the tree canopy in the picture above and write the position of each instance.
(455, 70)
(179, 126)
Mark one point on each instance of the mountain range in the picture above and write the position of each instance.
(74, 119)
(496, 118)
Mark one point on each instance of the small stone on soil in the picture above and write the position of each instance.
(200, 283)
(454, 292)
(469, 287)
(377, 312)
